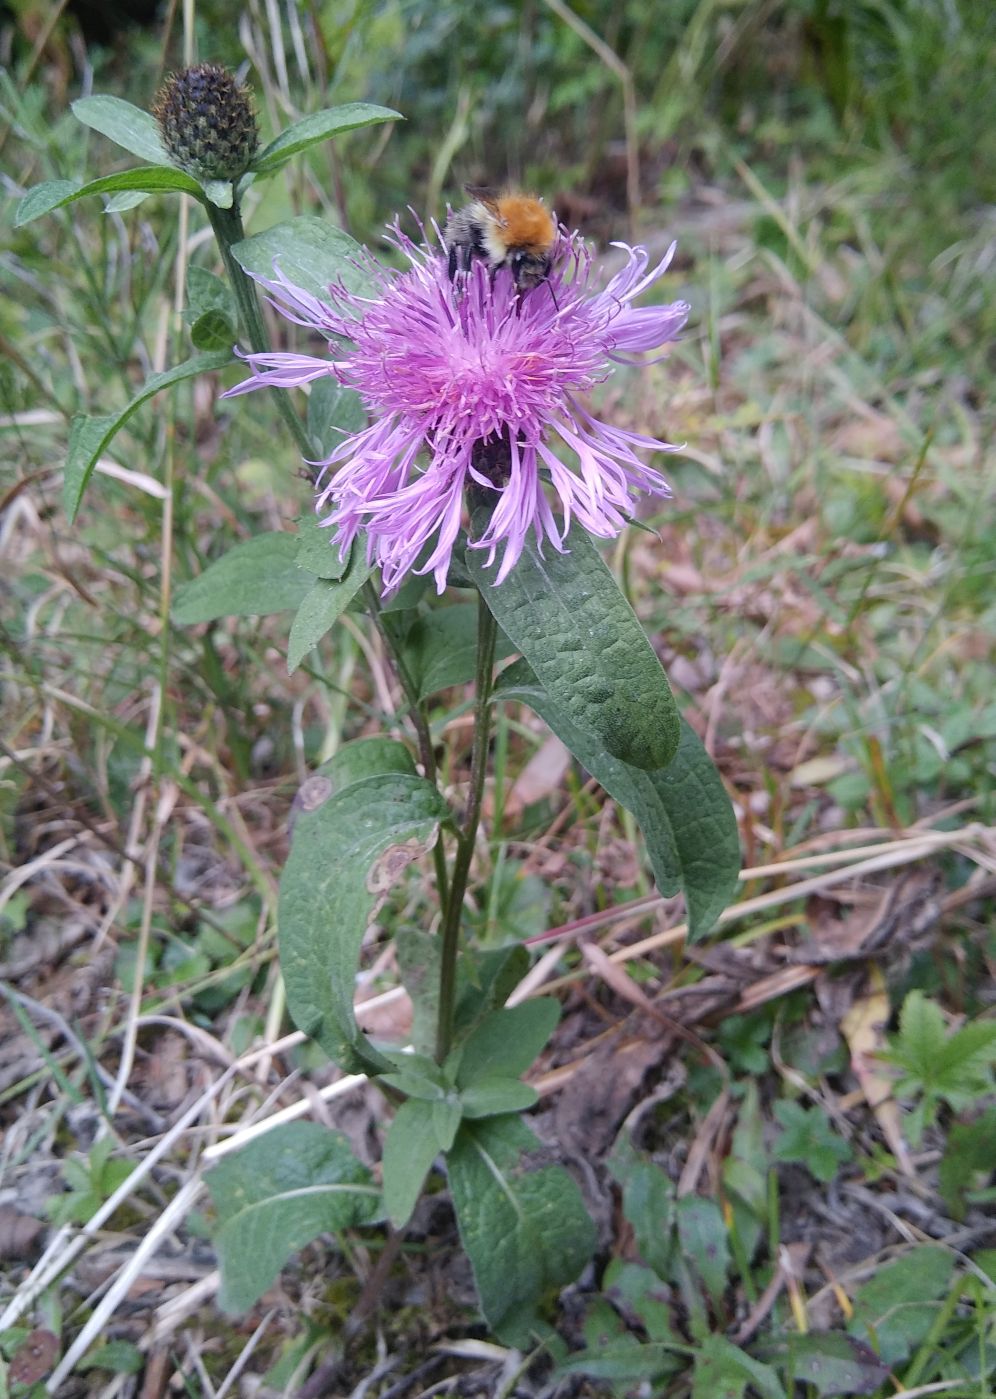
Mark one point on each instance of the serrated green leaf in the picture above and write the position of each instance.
(808, 1138)
(88, 437)
(703, 1240)
(724, 1371)
(334, 412)
(834, 1364)
(490, 1097)
(146, 179)
(255, 578)
(367, 757)
(683, 810)
(507, 1042)
(441, 648)
(124, 124)
(345, 856)
(320, 126)
(525, 1232)
(895, 1309)
(276, 1195)
(566, 615)
(322, 607)
(310, 253)
(410, 1148)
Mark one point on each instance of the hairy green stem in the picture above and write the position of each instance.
(228, 230)
(487, 631)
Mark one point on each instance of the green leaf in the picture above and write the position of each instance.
(147, 179)
(418, 954)
(334, 412)
(648, 1204)
(316, 553)
(88, 437)
(309, 251)
(808, 1138)
(446, 1118)
(322, 607)
(491, 1097)
(485, 980)
(253, 579)
(441, 648)
(624, 1361)
(525, 1232)
(367, 757)
(895, 1309)
(724, 1371)
(507, 1042)
(345, 857)
(319, 127)
(566, 615)
(970, 1150)
(276, 1195)
(830, 1361)
(120, 1357)
(683, 810)
(125, 125)
(637, 1292)
(410, 1148)
(210, 311)
(703, 1240)
(954, 1066)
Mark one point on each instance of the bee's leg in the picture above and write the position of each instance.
(454, 262)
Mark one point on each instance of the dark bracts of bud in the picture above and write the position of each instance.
(207, 122)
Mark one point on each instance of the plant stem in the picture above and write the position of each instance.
(228, 229)
(487, 631)
(426, 752)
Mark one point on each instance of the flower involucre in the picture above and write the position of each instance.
(470, 381)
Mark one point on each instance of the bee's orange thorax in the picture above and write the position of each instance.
(525, 223)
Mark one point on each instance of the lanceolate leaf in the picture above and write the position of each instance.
(278, 1194)
(322, 608)
(526, 1232)
(319, 127)
(345, 857)
(566, 615)
(253, 579)
(441, 648)
(89, 436)
(410, 1148)
(310, 253)
(124, 124)
(146, 179)
(683, 810)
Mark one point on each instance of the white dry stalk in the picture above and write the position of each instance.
(163, 1226)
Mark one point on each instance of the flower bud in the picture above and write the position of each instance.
(207, 122)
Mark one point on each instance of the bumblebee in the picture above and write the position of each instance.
(503, 229)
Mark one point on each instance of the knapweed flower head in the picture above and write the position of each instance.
(470, 381)
(207, 122)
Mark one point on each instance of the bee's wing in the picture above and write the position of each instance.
(486, 194)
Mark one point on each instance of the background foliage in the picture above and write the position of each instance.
(821, 591)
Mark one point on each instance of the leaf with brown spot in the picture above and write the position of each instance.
(34, 1357)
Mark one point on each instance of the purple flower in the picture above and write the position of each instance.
(470, 380)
